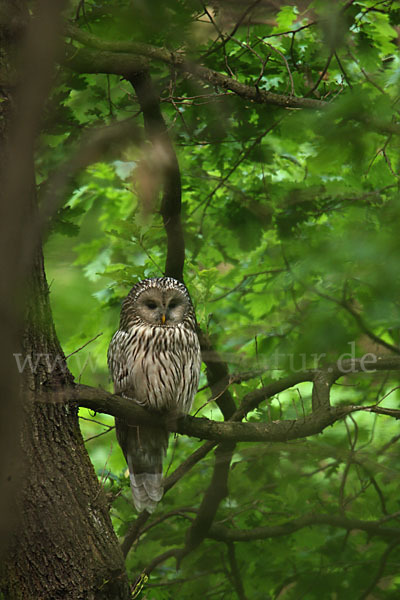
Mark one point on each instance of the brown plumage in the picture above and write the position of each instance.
(154, 359)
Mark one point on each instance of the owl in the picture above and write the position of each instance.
(154, 359)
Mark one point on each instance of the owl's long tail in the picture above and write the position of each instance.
(144, 448)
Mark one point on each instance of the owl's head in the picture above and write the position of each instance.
(159, 301)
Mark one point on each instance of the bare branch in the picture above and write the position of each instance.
(187, 464)
(215, 493)
(363, 327)
(372, 528)
(389, 412)
(157, 133)
(231, 430)
(323, 415)
(235, 571)
(344, 303)
(84, 345)
(116, 60)
(124, 58)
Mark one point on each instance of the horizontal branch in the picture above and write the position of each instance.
(323, 415)
(228, 535)
(101, 401)
(125, 58)
(372, 528)
(322, 379)
(88, 60)
(113, 57)
(250, 92)
(388, 412)
(277, 431)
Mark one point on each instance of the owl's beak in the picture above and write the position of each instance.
(163, 319)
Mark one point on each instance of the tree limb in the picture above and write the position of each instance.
(359, 320)
(235, 571)
(115, 56)
(278, 431)
(215, 493)
(157, 133)
(89, 60)
(121, 58)
(372, 528)
(232, 430)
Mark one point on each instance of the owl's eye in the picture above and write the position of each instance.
(150, 304)
(173, 304)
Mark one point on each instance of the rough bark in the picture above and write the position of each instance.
(59, 539)
(64, 545)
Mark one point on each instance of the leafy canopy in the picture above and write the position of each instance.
(291, 228)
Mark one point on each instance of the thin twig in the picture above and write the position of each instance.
(84, 345)
(322, 74)
(93, 437)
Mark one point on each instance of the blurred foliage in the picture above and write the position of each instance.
(290, 215)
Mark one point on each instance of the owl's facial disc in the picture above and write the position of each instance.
(162, 307)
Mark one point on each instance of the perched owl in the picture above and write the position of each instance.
(154, 359)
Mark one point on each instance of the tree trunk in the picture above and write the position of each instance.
(64, 545)
(59, 540)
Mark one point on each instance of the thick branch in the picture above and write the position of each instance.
(278, 431)
(235, 571)
(104, 402)
(177, 60)
(215, 493)
(372, 528)
(323, 379)
(217, 376)
(122, 58)
(157, 133)
(88, 60)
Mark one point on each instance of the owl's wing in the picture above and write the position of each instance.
(190, 364)
(144, 447)
(117, 362)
